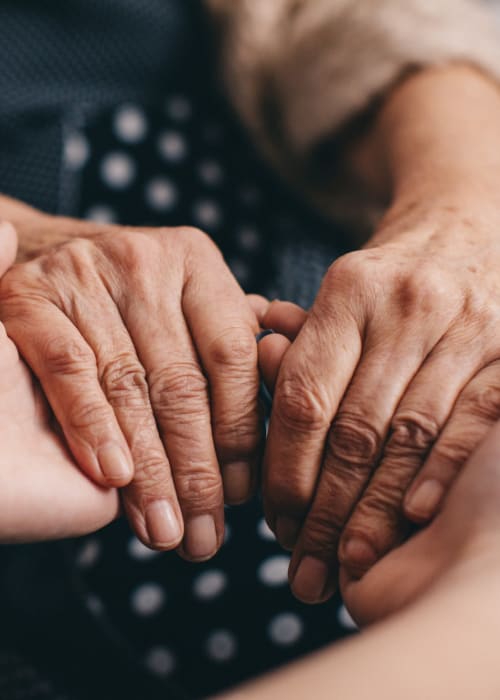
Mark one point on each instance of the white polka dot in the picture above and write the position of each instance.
(101, 214)
(265, 531)
(161, 194)
(227, 533)
(94, 604)
(130, 124)
(285, 629)
(207, 213)
(249, 239)
(118, 170)
(178, 108)
(221, 646)
(210, 172)
(139, 551)
(240, 270)
(88, 554)
(76, 151)
(160, 661)
(147, 599)
(210, 584)
(172, 146)
(274, 571)
(345, 619)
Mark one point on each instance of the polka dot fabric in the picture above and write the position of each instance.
(184, 162)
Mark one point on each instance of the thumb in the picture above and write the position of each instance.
(8, 246)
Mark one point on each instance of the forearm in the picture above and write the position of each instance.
(444, 646)
(437, 136)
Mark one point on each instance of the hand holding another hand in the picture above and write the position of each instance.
(387, 389)
(144, 345)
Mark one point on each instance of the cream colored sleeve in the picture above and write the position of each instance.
(298, 71)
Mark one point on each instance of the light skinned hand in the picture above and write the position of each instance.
(387, 389)
(43, 493)
(144, 346)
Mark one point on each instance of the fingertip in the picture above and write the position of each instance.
(259, 305)
(285, 317)
(116, 466)
(422, 502)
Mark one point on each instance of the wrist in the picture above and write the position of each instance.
(38, 230)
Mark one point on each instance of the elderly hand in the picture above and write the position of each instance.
(43, 494)
(144, 346)
(389, 386)
(461, 542)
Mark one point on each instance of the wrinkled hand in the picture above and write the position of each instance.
(461, 542)
(387, 389)
(144, 346)
(43, 494)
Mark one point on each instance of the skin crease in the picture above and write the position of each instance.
(436, 604)
(394, 377)
(87, 315)
(44, 495)
(408, 301)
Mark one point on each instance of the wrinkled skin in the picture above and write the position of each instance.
(391, 380)
(144, 345)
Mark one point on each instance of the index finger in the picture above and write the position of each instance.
(311, 383)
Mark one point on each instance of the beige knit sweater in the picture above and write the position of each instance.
(298, 71)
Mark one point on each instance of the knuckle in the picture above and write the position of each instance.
(348, 269)
(124, 382)
(151, 469)
(289, 492)
(381, 506)
(200, 487)
(452, 453)
(484, 402)
(237, 437)
(87, 416)
(322, 531)
(355, 441)
(234, 349)
(197, 240)
(181, 387)
(300, 408)
(67, 357)
(412, 433)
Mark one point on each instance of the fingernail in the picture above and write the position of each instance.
(358, 553)
(115, 465)
(423, 502)
(237, 479)
(287, 532)
(162, 524)
(310, 580)
(200, 539)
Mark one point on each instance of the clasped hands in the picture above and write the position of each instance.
(140, 371)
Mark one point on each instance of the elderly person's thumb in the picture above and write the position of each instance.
(8, 246)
